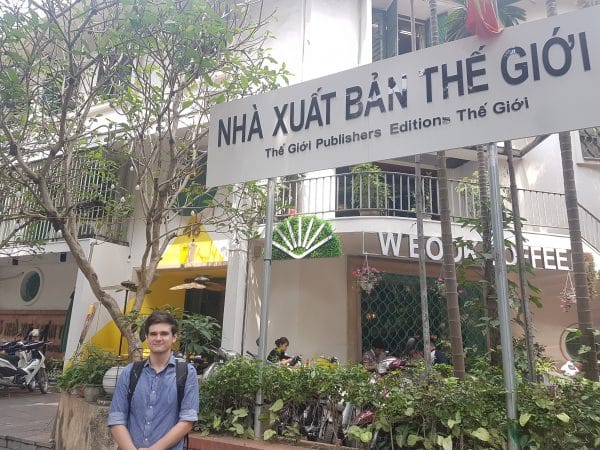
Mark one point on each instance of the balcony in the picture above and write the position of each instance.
(22, 221)
(392, 194)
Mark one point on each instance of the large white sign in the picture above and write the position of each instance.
(401, 245)
(537, 78)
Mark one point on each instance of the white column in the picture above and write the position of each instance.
(235, 297)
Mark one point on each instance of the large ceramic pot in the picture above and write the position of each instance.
(109, 382)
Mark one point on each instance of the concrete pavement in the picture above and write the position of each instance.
(27, 419)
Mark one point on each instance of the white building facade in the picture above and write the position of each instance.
(316, 302)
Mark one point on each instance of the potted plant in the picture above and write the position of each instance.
(370, 191)
(85, 373)
(198, 335)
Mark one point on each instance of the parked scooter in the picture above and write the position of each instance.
(23, 365)
(352, 416)
(222, 356)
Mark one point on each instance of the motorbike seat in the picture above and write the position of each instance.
(13, 359)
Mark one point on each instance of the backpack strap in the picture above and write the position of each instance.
(134, 377)
(181, 372)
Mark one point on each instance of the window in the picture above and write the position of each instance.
(392, 33)
(590, 143)
(30, 286)
(404, 35)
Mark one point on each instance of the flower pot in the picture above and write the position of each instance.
(91, 392)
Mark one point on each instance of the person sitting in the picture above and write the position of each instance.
(278, 355)
(372, 357)
(437, 356)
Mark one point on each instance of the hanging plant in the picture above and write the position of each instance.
(439, 286)
(366, 277)
(568, 298)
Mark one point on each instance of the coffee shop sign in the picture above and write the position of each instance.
(406, 246)
(461, 93)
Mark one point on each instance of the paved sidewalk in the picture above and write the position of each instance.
(27, 419)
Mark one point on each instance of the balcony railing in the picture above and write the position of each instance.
(91, 199)
(393, 194)
(101, 226)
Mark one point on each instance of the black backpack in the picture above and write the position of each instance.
(181, 371)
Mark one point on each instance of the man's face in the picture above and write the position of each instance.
(160, 339)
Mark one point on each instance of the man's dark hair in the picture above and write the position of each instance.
(378, 343)
(161, 317)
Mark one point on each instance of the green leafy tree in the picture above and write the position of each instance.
(197, 333)
(104, 105)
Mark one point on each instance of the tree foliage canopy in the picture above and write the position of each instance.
(104, 109)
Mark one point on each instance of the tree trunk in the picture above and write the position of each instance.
(449, 271)
(584, 312)
(490, 300)
(448, 268)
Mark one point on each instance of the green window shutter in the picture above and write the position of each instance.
(391, 30)
(442, 18)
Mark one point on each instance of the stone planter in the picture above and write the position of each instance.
(81, 425)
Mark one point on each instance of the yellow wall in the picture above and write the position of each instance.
(176, 265)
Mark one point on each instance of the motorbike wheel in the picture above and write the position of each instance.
(42, 380)
(329, 434)
(32, 385)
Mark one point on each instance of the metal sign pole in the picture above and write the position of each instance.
(420, 233)
(422, 268)
(508, 360)
(264, 305)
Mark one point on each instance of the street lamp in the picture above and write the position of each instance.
(129, 286)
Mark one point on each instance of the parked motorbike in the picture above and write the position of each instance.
(23, 365)
(352, 416)
(198, 362)
(222, 356)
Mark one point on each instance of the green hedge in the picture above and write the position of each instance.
(420, 412)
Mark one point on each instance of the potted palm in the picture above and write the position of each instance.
(370, 191)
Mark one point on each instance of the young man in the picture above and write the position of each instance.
(154, 420)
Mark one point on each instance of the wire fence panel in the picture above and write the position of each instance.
(392, 313)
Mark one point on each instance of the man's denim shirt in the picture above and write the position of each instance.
(154, 404)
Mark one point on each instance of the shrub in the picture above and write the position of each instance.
(413, 409)
(88, 369)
